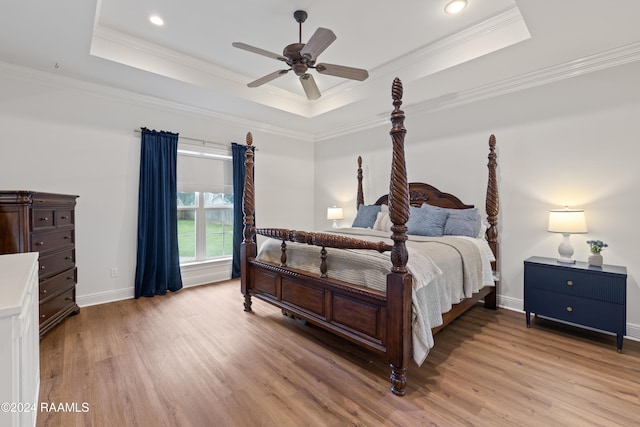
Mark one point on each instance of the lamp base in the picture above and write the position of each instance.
(335, 224)
(566, 250)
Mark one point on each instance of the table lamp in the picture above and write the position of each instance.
(334, 214)
(567, 222)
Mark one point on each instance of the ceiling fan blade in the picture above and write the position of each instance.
(310, 87)
(318, 42)
(267, 78)
(258, 51)
(342, 71)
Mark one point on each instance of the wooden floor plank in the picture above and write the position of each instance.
(195, 358)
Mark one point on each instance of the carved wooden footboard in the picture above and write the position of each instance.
(380, 321)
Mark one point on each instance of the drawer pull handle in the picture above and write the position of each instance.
(42, 267)
(69, 299)
(44, 218)
(67, 237)
(64, 217)
(40, 243)
(67, 257)
(569, 282)
(569, 309)
(44, 291)
(42, 316)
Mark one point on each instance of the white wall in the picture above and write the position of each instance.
(64, 136)
(572, 143)
(557, 146)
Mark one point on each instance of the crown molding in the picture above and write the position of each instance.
(32, 75)
(118, 47)
(544, 76)
(575, 68)
(497, 32)
(508, 26)
(600, 61)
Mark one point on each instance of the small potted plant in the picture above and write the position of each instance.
(596, 246)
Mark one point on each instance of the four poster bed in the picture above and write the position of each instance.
(383, 294)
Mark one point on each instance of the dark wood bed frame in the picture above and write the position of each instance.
(380, 321)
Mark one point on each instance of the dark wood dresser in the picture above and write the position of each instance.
(44, 222)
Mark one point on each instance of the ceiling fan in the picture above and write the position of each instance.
(300, 57)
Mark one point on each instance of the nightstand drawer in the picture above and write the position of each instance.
(602, 287)
(581, 311)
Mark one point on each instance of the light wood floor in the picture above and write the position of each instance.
(194, 358)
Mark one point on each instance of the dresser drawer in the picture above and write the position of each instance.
(602, 287)
(50, 241)
(64, 217)
(581, 311)
(42, 218)
(58, 283)
(57, 263)
(60, 303)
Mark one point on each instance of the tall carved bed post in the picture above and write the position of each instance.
(492, 206)
(248, 247)
(399, 281)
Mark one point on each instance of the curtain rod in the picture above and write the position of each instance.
(203, 141)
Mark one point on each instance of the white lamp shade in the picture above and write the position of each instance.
(334, 213)
(567, 221)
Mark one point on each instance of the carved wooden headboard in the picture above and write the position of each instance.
(420, 193)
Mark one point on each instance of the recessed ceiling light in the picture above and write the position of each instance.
(156, 20)
(455, 6)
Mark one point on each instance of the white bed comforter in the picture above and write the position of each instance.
(445, 271)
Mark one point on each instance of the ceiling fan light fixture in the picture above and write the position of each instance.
(455, 6)
(300, 57)
(299, 69)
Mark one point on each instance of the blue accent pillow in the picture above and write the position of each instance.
(463, 222)
(460, 222)
(366, 216)
(426, 222)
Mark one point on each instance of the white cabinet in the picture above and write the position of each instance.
(19, 340)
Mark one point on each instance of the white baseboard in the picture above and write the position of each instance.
(210, 272)
(192, 275)
(509, 303)
(633, 332)
(104, 297)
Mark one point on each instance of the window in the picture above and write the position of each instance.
(205, 205)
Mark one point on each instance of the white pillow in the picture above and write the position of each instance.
(483, 230)
(383, 222)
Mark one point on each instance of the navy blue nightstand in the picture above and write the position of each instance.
(580, 294)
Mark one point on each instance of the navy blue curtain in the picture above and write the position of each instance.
(238, 152)
(158, 259)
